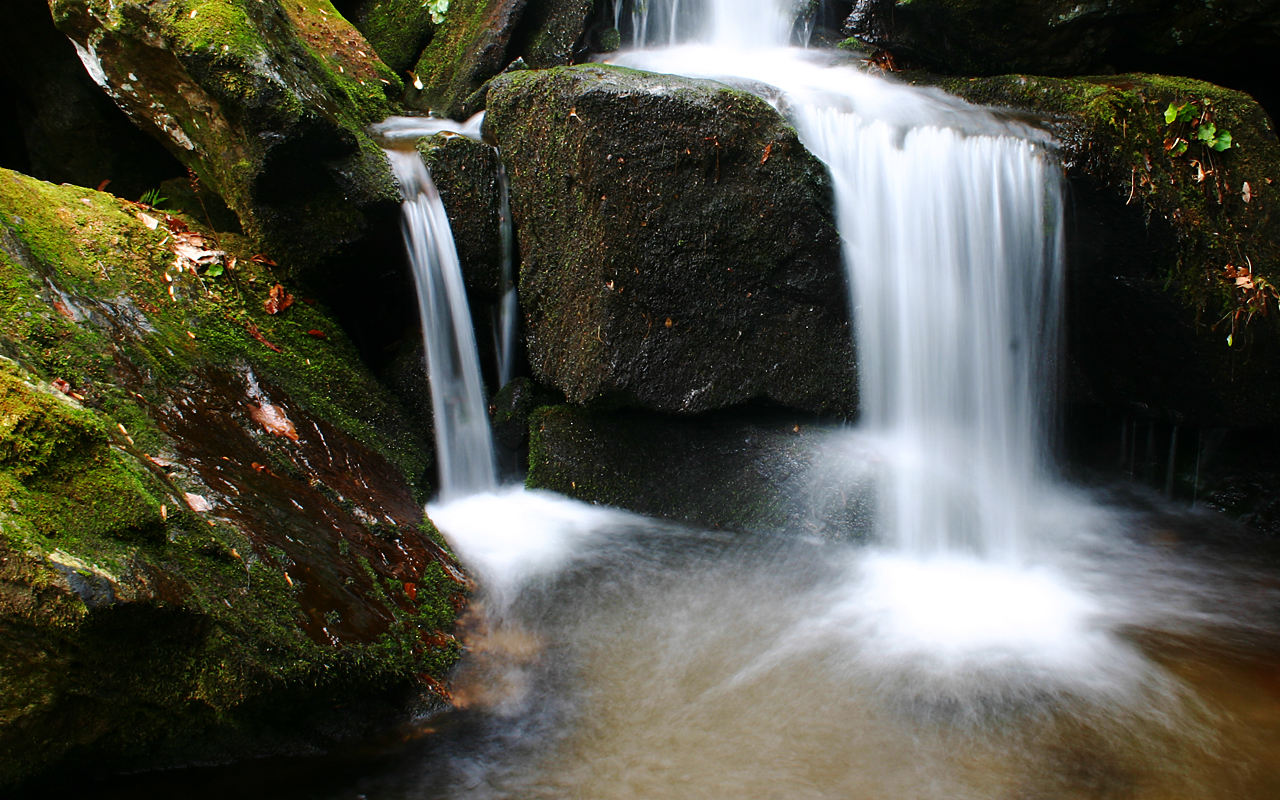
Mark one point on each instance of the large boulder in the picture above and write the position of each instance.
(265, 100)
(398, 29)
(678, 246)
(212, 524)
(1174, 245)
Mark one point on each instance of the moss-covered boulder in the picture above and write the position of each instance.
(742, 472)
(264, 99)
(1175, 244)
(480, 38)
(210, 519)
(678, 247)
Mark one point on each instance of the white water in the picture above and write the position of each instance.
(983, 649)
(464, 446)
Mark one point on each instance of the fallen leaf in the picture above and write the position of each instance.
(197, 503)
(164, 512)
(317, 334)
(102, 187)
(62, 309)
(175, 225)
(273, 419)
(255, 333)
(148, 220)
(261, 259)
(1246, 192)
(411, 589)
(768, 149)
(669, 322)
(62, 386)
(277, 300)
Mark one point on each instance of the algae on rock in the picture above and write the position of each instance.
(265, 100)
(210, 525)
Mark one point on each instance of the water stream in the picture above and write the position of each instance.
(1010, 636)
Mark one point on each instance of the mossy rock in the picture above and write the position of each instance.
(210, 515)
(678, 247)
(1161, 323)
(480, 38)
(398, 29)
(265, 101)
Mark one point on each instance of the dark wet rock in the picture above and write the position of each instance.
(472, 45)
(71, 132)
(511, 408)
(1167, 262)
(265, 101)
(466, 174)
(398, 29)
(677, 243)
(1222, 41)
(481, 38)
(212, 520)
(553, 31)
(724, 470)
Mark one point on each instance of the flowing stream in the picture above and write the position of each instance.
(1009, 636)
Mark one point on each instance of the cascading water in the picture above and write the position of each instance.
(986, 648)
(464, 444)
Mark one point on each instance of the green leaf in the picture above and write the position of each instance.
(1170, 114)
(1207, 133)
(1223, 142)
(1179, 148)
(213, 271)
(1186, 112)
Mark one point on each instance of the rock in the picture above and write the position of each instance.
(71, 131)
(480, 38)
(266, 101)
(398, 29)
(736, 471)
(471, 46)
(212, 514)
(677, 241)
(1165, 263)
(512, 407)
(466, 174)
(1222, 41)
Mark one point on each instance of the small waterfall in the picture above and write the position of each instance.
(464, 445)
(505, 315)
(726, 23)
(951, 220)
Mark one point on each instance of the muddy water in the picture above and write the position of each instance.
(647, 661)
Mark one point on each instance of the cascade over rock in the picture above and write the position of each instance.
(677, 242)
(266, 101)
(213, 531)
(1170, 253)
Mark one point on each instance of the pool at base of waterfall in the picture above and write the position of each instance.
(614, 656)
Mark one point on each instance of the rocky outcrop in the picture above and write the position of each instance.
(265, 101)
(212, 516)
(1175, 243)
(399, 30)
(677, 242)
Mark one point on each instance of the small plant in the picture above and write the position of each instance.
(153, 198)
(1193, 120)
(437, 9)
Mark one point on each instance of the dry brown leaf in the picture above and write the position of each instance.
(273, 419)
(197, 503)
(277, 300)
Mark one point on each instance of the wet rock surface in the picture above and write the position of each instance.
(677, 243)
(213, 520)
(736, 471)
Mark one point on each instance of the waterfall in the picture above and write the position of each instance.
(951, 221)
(464, 446)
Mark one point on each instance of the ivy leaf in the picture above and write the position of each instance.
(213, 271)
(1207, 133)
(1170, 114)
(1223, 142)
